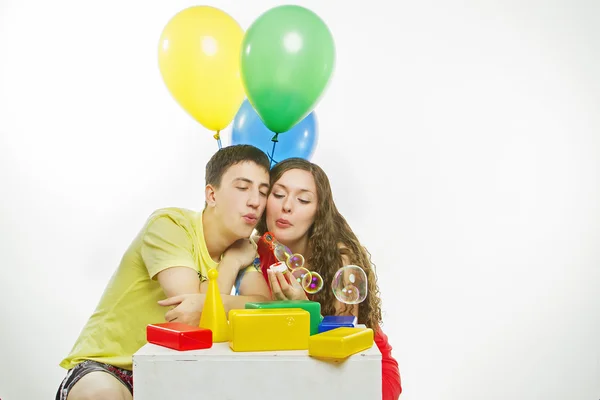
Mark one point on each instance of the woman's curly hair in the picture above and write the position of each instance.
(329, 238)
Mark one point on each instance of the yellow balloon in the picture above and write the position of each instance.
(199, 60)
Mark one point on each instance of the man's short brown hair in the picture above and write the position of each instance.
(224, 158)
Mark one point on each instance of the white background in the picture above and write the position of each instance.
(461, 139)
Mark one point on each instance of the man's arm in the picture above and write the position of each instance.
(253, 288)
(188, 307)
(178, 280)
(167, 254)
(238, 258)
(229, 267)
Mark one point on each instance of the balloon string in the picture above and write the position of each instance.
(274, 140)
(218, 137)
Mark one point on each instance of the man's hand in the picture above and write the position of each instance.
(238, 256)
(187, 310)
(243, 252)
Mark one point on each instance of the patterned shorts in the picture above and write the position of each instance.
(80, 370)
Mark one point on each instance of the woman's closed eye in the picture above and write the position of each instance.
(281, 196)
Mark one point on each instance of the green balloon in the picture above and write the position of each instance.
(287, 59)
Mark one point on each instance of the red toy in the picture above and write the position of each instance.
(274, 255)
(266, 253)
(178, 336)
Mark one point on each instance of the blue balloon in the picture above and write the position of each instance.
(300, 141)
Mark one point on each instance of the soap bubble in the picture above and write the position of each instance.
(312, 282)
(282, 253)
(349, 284)
(349, 294)
(295, 261)
(300, 274)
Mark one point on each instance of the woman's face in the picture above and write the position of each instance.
(292, 206)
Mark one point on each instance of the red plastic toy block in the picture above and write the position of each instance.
(178, 336)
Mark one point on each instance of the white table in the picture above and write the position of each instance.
(219, 373)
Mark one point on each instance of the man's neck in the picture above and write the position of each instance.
(216, 238)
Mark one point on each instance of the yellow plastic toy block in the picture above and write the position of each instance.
(269, 329)
(313, 307)
(340, 342)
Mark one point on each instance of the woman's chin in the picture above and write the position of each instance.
(282, 235)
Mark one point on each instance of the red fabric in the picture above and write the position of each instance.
(390, 373)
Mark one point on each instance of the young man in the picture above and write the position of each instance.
(170, 258)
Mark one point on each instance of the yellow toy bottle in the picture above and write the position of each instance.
(213, 313)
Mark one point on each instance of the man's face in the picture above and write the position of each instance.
(241, 198)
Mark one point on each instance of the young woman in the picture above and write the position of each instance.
(302, 215)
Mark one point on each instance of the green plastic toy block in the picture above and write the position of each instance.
(313, 308)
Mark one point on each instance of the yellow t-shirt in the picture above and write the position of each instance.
(117, 329)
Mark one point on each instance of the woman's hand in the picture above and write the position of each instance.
(284, 289)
